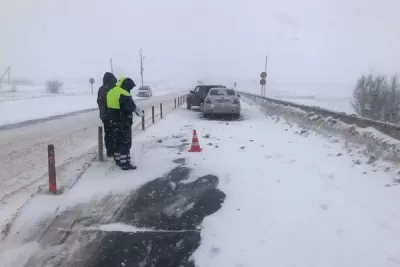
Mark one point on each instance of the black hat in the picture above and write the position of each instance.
(109, 79)
(128, 84)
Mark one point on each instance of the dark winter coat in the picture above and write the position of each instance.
(109, 81)
(120, 105)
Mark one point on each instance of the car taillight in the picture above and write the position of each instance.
(208, 101)
(236, 101)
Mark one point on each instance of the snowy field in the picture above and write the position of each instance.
(33, 102)
(293, 198)
(333, 96)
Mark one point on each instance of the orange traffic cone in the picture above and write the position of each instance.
(195, 143)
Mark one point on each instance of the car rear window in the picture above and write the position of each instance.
(217, 92)
(230, 92)
(222, 92)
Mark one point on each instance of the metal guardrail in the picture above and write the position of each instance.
(390, 129)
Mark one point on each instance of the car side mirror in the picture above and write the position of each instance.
(192, 92)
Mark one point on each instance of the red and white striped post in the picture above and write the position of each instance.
(52, 169)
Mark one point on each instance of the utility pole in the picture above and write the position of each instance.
(9, 75)
(263, 77)
(266, 63)
(142, 57)
(111, 64)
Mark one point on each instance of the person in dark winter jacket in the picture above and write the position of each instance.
(109, 81)
(120, 109)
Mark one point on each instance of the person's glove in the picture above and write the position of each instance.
(139, 112)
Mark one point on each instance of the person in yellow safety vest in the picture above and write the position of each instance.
(120, 108)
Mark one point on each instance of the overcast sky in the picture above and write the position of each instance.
(307, 40)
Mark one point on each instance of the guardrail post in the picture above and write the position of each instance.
(100, 144)
(175, 102)
(152, 114)
(143, 122)
(161, 111)
(52, 169)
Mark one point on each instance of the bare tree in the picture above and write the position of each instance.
(53, 86)
(374, 98)
(359, 94)
(392, 103)
(142, 57)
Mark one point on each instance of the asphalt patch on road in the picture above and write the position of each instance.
(181, 147)
(173, 208)
(180, 161)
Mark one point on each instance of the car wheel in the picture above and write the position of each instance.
(236, 116)
(206, 116)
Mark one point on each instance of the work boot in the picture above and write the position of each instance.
(127, 166)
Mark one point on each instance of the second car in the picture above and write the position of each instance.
(144, 91)
(222, 101)
(196, 97)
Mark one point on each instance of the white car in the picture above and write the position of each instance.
(221, 101)
(144, 91)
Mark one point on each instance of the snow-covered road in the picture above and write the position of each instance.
(31, 103)
(293, 198)
(23, 154)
